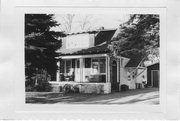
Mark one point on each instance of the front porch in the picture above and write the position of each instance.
(96, 73)
(88, 73)
(83, 68)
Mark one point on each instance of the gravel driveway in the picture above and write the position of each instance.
(138, 96)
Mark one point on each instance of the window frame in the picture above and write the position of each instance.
(98, 58)
(65, 61)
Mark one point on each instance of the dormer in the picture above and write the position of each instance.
(78, 41)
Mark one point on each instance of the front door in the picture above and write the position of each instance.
(114, 83)
(155, 78)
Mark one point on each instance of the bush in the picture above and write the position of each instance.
(124, 87)
(44, 86)
(29, 84)
(30, 88)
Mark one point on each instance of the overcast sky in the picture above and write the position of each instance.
(96, 21)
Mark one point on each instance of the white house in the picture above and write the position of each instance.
(86, 64)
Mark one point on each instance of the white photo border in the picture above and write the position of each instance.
(19, 110)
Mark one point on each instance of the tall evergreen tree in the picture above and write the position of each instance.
(40, 43)
(139, 36)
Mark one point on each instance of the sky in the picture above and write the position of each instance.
(96, 21)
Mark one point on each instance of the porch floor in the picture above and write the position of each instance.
(138, 96)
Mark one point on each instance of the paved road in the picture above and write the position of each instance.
(138, 96)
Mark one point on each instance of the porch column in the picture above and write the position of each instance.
(109, 67)
(118, 70)
(58, 72)
(81, 69)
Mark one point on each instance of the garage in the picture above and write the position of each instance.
(153, 75)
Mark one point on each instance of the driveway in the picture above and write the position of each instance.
(138, 96)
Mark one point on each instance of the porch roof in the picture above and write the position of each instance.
(93, 50)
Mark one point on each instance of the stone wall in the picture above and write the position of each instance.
(97, 88)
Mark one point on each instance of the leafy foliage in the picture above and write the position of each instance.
(43, 86)
(137, 36)
(40, 44)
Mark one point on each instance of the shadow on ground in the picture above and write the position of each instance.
(138, 96)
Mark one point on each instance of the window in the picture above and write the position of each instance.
(68, 66)
(98, 65)
(87, 62)
(78, 64)
(102, 64)
(95, 66)
(62, 66)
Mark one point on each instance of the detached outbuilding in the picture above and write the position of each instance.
(153, 75)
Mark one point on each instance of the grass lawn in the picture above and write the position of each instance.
(138, 96)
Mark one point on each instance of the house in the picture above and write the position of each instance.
(85, 63)
(153, 75)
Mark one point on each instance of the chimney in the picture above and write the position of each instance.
(101, 28)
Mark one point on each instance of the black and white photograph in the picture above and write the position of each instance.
(92, 59)
(89, 60)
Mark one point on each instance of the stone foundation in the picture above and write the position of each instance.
(97, 88)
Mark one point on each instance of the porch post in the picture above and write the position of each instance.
(58, 72)
(109, 67)
(81, 69)
(118, 70)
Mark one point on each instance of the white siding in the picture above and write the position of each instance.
(139, 79)
(79, 41)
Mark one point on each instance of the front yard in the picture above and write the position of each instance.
(138, 96)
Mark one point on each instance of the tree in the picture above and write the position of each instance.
(85, 23)
(68, 22)
(138, 36)
(40, 44)
(75, 22)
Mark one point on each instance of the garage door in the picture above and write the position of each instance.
(155, 78)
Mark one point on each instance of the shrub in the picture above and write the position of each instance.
(44, 86)
(76, 89)
(124, 87)
(29, 84)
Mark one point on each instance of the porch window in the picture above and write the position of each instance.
(98, 66)
(62, 66)
(68, 66)
(102, 65)
(87, 62)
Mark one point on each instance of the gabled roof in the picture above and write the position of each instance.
(134, 62)
(104, 36)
